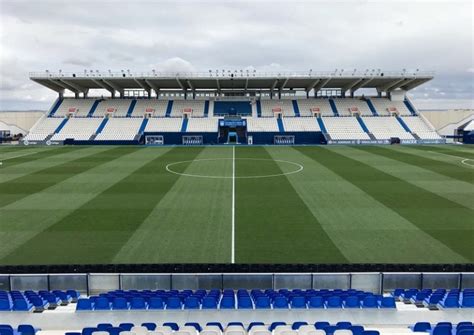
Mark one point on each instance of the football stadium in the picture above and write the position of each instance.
(232, 201)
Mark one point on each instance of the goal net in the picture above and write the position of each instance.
(284, 139)
(192, 140)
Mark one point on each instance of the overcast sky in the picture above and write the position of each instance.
(266, 35)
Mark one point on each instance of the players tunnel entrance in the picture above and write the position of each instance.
(232, 130)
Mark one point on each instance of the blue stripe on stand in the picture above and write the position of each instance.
(93, 108)
(102, 125)
(131, 108)
(61, 125)
(296, 109)
(333, 107)
(169, 108)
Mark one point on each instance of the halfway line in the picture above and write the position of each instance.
(233, 205)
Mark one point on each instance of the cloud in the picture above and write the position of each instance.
(179, 36)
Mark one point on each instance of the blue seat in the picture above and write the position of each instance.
(209, 303)
(114, 330)
(227, 302)
(330, 330)
(244, 303)
(155, 303)
(6, 331)
(442, 330)
(192, 303)
(101, 303)
(316, 302)
(89, 330)
(84, 305)
(370, 301)
(276, 324)
(173, 303)
(343, 325)
(20, 305)
(421, 327)
(262, 302)
(173, 325)
(370, 332)
(352, 301)
(280, 302)
(196, 325)
(149, 325)
(4, 305)
(467, 302)
(298, 302)
(356, 330)
(126, 326)
(296, 325)
(334, 302)
(466, 331)
(138, 303)
(119, 303)
(104, 326)
(26, 330)
(321, 324)
(388, 302)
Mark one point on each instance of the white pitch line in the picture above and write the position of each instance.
(463, 161)
(233, 205)
(4, 159)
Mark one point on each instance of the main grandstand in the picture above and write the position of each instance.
(232, 107)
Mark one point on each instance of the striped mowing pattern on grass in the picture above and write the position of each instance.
(350, 204)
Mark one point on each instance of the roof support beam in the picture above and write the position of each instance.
(414, 83)
(153, 86)
(321, 84)
(114, 86)
(105, 86)
(284, 83)
(191, 86)
(389, 85)
(404, 82)
(142, 83)
(361, 84)
(74, 85)
(351, 85)
(51, 85)
(65, 86)
(312, 85)
(246, 84)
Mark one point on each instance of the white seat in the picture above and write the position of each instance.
(211, 331)
(287, 332)
(259, 329)
(310, 330)
(126, 332)
(161, 330)
(139, 330)
(281, 330)
(235, 330)
(343, 332)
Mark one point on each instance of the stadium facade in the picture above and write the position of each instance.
(232, 107)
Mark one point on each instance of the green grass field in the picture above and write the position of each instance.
(325, 204)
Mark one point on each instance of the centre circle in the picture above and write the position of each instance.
(206, 164)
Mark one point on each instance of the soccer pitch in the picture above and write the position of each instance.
(315, 204)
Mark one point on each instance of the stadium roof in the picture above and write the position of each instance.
(230, 80)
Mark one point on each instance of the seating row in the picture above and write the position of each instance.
(440, 297)
(232, 328)
(445, 328)
(35, 301)
(228, 299)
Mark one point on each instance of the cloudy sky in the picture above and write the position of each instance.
(265, 35)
